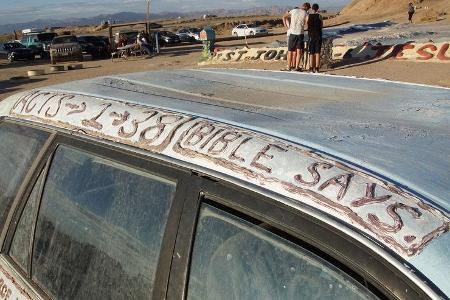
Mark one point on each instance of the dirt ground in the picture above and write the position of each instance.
(188, 56)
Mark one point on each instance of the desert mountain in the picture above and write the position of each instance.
(427, 10)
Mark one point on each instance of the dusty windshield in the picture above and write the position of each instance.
(65, 39)
(46, 37)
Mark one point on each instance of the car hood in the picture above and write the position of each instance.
(65, 45)
(21, 50)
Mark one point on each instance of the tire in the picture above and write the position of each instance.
(251, 33)
(235, 34)
(10, 57)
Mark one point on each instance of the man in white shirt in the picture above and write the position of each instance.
(296, 29)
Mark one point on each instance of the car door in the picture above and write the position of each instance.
(238, 244)
(83, 220)
(3, 52)
(241, 30)
(246, 30)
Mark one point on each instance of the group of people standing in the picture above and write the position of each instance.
(297, 21)
(142, 41)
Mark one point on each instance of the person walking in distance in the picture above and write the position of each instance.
(315, 25)
(296, 20)
(411, 11)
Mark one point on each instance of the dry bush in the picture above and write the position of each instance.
(430, 15)
(6, 37)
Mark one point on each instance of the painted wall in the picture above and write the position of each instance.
(421, 52)
(248, 55)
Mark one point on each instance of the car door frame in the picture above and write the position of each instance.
(110, 152)
(323, 239)
(3, 52)
(173, 267)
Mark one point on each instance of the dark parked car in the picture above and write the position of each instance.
(189, 34)
(65, 48)
(16, 51)
(94, 45)
(39, 42)
(167, 38)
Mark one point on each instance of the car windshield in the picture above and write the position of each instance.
(10, 46)
(91, 39)
(65, 39)
(168, 33)
(194, 30)
(46, 37)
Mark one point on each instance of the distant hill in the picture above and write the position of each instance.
(122, 17)
(427, 10)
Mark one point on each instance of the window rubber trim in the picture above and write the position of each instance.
(137, 161)
(344, 252)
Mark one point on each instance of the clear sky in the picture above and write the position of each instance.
(17, 11)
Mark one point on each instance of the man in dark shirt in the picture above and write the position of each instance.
(315, 25)
(411, 11)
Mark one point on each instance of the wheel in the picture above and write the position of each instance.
(10, 57)
(252, 33)
(235, 34)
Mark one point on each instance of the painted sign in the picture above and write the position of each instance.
(425, 52)
(384, 211)
(249, 55)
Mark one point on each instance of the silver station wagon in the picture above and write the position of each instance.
(225, 184)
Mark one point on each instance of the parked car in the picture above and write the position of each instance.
(39, 42)
(138, 187)
(65, 48)
(189, 34)
(248, 29)
(15, 51)
(94, 45)
(168, 38)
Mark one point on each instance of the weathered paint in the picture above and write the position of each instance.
(419, 52)
(265, 54)
(392, 216)
(9, 287)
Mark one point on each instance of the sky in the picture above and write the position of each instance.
(18, 11)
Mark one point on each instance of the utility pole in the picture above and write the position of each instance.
(148, 17)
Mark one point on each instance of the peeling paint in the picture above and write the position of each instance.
(390, 215)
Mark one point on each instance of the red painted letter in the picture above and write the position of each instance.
(424, 55)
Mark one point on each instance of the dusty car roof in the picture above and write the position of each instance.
(400, 131)
(390, 140)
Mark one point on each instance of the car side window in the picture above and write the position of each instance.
(20, 246)
(99, 228)
(19, 147)
(235, 259)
